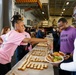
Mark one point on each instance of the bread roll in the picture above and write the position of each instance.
(56, 54)
(39, 66)
(35, 66)
(49, 58)
(28, 66)
(32, 65)
(61, 53)
(20, 67)
(45, 66)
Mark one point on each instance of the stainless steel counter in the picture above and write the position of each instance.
(27, 71)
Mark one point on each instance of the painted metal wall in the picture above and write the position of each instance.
(0, 15)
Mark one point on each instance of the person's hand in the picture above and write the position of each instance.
(66, 57)
(71, 55)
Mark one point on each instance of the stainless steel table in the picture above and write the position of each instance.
(15, 71)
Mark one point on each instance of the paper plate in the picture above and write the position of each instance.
(56, 61)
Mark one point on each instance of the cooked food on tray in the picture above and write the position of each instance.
(38, 53)
(42, 44)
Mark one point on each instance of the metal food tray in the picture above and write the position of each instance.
(15, 71)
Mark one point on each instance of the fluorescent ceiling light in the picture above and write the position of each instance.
(42, 12)
(64, 9)
(67, 3)
(62, 12)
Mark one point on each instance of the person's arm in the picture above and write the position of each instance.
(71, 66)
(74, 54)
(36, 40)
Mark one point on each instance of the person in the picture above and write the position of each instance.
(56, 39)
(23, 49)
(14, 39)
(71, 66)
(28, 30)
(5, 30)
(67, 38)
(33, 32)
(40, 34)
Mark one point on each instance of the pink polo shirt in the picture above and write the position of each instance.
(13, 39)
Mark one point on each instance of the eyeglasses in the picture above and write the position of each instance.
(60, 25)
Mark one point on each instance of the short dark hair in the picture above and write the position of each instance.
(63, 20)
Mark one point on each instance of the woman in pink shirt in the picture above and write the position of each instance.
(13, 39)
(24, 48)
